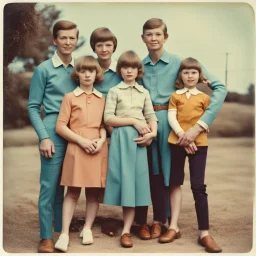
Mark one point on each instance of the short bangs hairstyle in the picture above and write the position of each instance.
(87, 63)
(64, 25)
(130, 59)
(102, 35)
(190, 63)
(155, 23)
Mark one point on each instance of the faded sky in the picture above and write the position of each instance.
(206, 31)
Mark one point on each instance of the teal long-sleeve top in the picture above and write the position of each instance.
(111, 79)
(49, 83)
(159, 80)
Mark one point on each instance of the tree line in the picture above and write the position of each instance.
(28, 40)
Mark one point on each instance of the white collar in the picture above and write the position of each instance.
(56, 61)
(123, 85)
(112, 66)
(193, 91)
(78, 91)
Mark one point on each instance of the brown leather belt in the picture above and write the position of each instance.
(160, 107)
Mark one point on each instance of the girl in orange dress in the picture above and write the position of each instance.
(80, 122)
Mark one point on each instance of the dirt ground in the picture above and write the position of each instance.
(230, 187)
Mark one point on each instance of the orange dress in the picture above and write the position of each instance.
(83, 114)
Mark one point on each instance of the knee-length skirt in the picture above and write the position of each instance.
(128, 176)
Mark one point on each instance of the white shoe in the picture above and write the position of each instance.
(81, 234)
(87, 236)
(62, 243)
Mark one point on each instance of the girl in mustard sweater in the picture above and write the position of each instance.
(186, 106)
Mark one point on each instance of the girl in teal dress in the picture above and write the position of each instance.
(130, 111)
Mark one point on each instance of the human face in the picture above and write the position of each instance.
(66, 41)
(190, 77)
(86, 77)
(129, 74)
(104, 50)
(154, 38)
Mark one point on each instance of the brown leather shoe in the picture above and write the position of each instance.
(126, 240)
(144, 232)
(169, 236)
(46, 246)
(156, 230)
(209, 244)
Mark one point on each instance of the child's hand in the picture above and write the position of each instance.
(191, 148)
(142, 127)
(100, 143)
(185, 139)
(88, 146)
(145, 140)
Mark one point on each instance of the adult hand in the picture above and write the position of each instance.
(88, 146)
(46, 148)
(142, 127)
(191, 148)
(189, 136)
(145, 140)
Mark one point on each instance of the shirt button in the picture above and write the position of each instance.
(152, 89)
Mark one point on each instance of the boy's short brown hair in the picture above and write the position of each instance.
(155, 23)
(63, 25)
(130, 59)
(102, 35)
(87, 63)
(190, 63)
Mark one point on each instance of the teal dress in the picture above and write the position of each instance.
(49, 83)
(128, 175)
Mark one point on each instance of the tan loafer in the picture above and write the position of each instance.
(169, 236)
(144, 232)
(156, 230)
(126, 240)
(46, 246)
(209, 244)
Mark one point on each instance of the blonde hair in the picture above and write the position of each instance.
(87, 63)
(190, 63)
(130, 59)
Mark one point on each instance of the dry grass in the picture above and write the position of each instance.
(234, 120)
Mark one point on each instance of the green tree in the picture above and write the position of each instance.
(251, 94)
(27, 40)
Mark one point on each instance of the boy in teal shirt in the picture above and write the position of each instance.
(160, 72)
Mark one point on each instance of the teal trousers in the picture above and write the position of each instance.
(51, 193)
